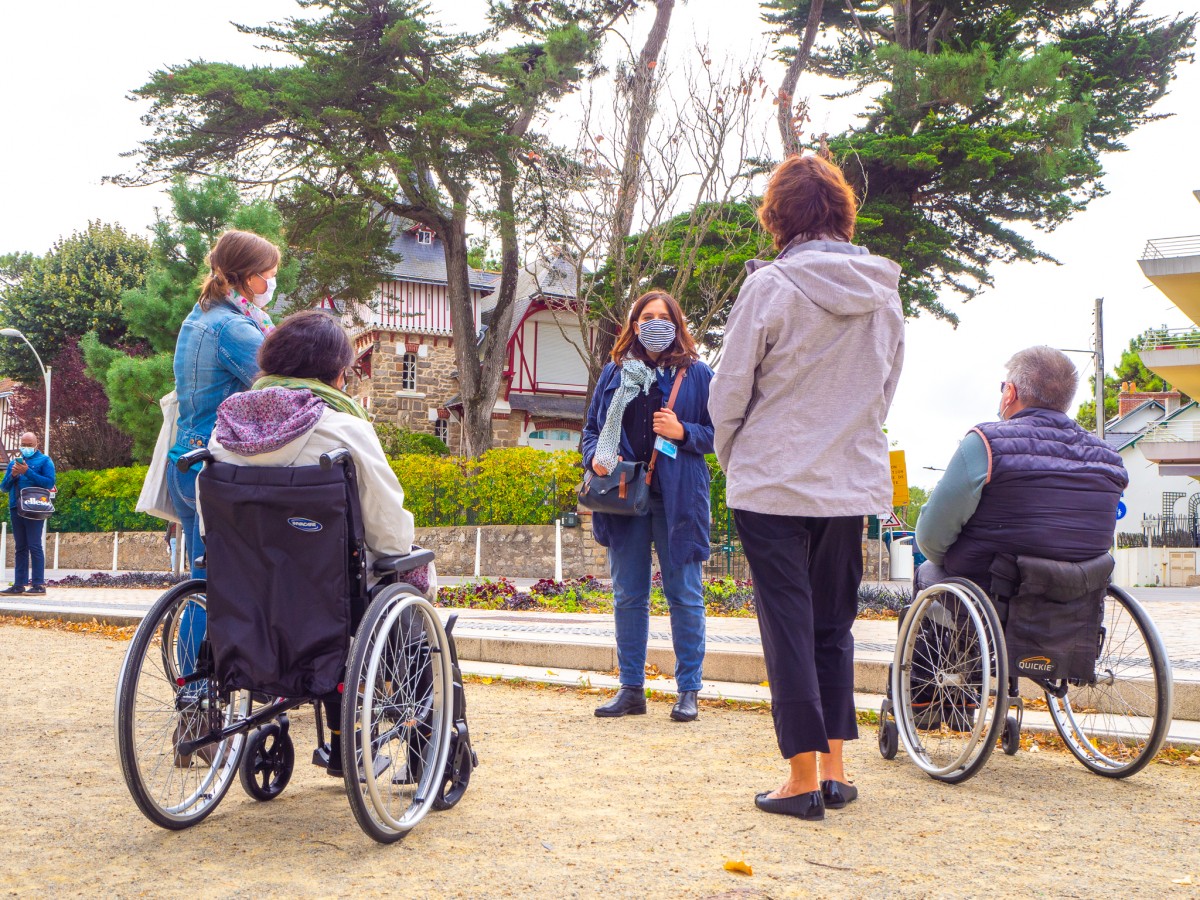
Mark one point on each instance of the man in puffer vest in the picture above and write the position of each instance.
(1032, 484)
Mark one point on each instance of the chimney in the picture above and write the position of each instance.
(1131, 398)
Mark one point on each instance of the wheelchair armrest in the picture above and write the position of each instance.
(192, 457)
(339, 457)
(402, 564)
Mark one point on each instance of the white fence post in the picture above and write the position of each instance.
(478, 542)
(558, 550)
(116, 544)
(56, 551)
(3, 547)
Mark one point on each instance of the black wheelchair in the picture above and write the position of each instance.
(285, 618)
(1089, 648)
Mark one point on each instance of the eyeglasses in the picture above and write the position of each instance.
(1003, 385)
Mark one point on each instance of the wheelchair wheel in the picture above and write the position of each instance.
(1010, 741)
(397, 714)
(153, 713)
(889, 738)
(457, 777)
(267, 762)
(1116, 723)
(949, 680)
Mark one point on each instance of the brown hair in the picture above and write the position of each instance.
(808, 195)
(309, 344)
(682, 351)
(236, 256)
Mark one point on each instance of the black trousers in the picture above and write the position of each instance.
(806, 574)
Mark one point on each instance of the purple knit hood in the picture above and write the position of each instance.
(256, 422)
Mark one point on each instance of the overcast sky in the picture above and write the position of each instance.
(66, 76)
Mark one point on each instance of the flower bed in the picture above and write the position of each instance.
(722, 597)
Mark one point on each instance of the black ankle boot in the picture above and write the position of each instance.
(685, 709)
(630, 701)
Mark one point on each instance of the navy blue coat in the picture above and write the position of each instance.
(41, 474)
(682, 480)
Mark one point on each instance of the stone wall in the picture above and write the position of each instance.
(515, 551)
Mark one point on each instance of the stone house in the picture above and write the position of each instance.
(405, 365)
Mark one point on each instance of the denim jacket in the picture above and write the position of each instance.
(41, 474)
(216, 355)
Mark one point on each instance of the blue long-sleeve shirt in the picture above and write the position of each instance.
(954, 500)
(41, 474)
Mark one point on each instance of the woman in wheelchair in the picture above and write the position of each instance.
(295, 412)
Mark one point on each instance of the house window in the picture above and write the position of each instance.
(441, 431)
(424, 237)
(408, 372)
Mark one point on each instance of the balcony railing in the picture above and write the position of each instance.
(1170, 339)
(1173, 432)
(1171, 248)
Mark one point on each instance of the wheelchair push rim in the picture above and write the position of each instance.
(951, 734)
(153, 712)
(397, 714)
(1116, 724)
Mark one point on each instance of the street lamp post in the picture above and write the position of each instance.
(16, 333)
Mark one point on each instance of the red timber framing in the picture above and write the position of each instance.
(418, 307)
(523, 356)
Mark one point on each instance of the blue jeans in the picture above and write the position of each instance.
(27, 535)
(682, 584)
(193, 621)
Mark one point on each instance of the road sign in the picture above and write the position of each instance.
(899, 478)
(1121, 510)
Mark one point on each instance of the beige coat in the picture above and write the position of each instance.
(388, 526)
(810, 362)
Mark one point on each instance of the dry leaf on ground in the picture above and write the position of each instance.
(738, 865)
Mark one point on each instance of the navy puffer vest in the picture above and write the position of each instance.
(1052, 492)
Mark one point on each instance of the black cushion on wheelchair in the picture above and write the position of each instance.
(1058, 581)
(401, 564)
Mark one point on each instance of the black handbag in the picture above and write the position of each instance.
(625, 490)
(35, 503)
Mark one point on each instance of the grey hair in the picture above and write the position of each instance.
(1044, 378)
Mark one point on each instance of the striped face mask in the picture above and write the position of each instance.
(657, 334)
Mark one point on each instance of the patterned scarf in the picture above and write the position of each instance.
(258, 316)
(333, 398)
(635, 376)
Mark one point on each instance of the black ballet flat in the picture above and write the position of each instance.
(809, 806)
(837, 794)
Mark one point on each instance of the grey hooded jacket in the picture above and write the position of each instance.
(809, 366)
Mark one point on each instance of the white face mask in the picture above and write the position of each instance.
(263, 300)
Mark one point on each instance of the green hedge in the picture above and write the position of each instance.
(506, 486)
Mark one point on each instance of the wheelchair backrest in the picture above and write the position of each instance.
(285, 574)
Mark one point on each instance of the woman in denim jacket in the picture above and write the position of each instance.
(217, 355)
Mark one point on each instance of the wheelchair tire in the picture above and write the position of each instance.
(1010, 741)
(950, 680)
(397, 713)
(267, 762)
(458, 776)
(152, 711)
(1116, 724)
(889, 738)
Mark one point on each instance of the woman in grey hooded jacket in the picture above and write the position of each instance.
(811, 358)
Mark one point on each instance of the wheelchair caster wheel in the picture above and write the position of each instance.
(268, 761)
(1010, 741)
(458, 775)
(889, 738)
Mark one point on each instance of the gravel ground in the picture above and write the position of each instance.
(566, 805)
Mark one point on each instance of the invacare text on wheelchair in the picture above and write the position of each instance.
(285, 618)
(1088, 647)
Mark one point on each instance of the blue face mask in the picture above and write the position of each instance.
(28, 451)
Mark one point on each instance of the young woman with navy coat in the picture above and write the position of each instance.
(656, 337)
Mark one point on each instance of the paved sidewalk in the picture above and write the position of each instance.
(578, 646)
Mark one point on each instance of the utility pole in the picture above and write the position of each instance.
(1100, 368)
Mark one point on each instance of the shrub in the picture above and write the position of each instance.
(397, 441)
(101, 500)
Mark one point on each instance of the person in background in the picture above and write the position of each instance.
(29, 468)
(811, 359)
(628, 420)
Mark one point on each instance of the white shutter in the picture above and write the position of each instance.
(559, 363)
